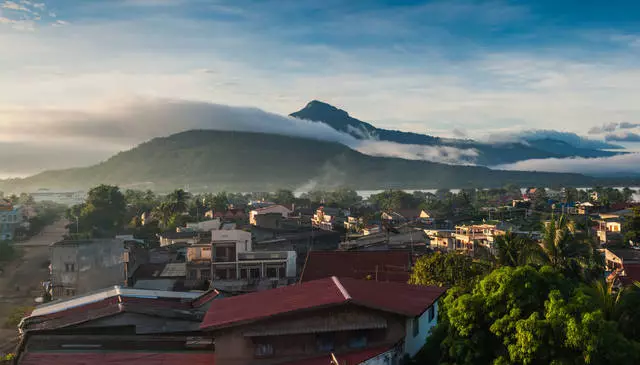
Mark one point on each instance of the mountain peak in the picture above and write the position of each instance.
(320, 107)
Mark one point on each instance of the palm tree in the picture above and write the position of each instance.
(515, 250)
(607, 299)
(178, 200)
(163, 213)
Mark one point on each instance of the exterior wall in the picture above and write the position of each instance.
(413, 344)
(199, 253)
(145, 324)
(271, 209)
(234, 348)
(612, 261)
(241, 238)
(172, 241)
(210, 225)
(9, 221)
(388, 358)
(84, 266)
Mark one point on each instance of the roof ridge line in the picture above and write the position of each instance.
(342, 289)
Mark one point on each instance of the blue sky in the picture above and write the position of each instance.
(477, 66)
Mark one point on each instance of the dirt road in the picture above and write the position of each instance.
(21, 281)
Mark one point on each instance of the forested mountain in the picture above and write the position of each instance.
(490, 154)
(240, 161)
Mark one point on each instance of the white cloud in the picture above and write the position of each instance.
(606, 166)
(14, 6)
(59, 23)
(122, 125)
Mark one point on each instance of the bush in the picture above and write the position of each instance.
(16, 316)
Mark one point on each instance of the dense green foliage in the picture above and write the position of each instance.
(102, 214)
(540, 304)
(447, 269)
(240, 161)
(632, 227)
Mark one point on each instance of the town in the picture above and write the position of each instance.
(115, 276)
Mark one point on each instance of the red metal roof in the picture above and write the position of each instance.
(350, 358)
(138, 358)
(205, 298)
(399, 298)
(383, 265)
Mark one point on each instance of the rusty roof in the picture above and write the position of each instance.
(398, 298)
(383, 265)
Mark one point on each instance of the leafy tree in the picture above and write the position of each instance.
(103, 213)
(632, 227)
(283, 196)
(627, 194)
(218, 202)
(394, 200)
(447, 269)
(525, 315)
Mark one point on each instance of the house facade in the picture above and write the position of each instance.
(313, 320)
(81, 266)
(236, 267)
(284, 211)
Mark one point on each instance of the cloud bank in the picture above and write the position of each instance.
(623, 137)
(627, 164)
(126, 124)
(612, 127)
(534, 135)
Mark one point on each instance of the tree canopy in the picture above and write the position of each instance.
(524, 315)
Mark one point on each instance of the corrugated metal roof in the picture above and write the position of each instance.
(349, 358)
(117, 358)
(399, 298)
(173, 270)
(103, 294)
(383, 265)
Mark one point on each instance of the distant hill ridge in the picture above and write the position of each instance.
(241, 161)
(489, 154)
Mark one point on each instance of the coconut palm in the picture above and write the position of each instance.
(179, 200)
(516, 250)
(163, 213)
(608, 299)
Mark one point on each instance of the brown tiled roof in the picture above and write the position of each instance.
(398, 298)
(383, 265)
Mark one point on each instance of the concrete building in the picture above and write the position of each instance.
(10, 219)
(284, 211)
(236, 267)
(81, 266)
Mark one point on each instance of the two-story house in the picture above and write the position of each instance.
(237, 268)
(81, 266)
(308, 322)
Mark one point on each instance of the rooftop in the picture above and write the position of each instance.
(626, 254)
(402, 299)
(383, 265)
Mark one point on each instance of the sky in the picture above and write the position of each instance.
(451, 68)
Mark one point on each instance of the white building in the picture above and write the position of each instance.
(236, 267)
(270, 209)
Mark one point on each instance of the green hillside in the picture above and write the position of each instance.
(239, 161)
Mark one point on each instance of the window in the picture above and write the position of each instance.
(432, 313)
(272, 272)
(358, 340)
(193, 274)
(205, 274)
(416, 326)
(69, 267)
(263, 350)
(70, 292)
(325, 342)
